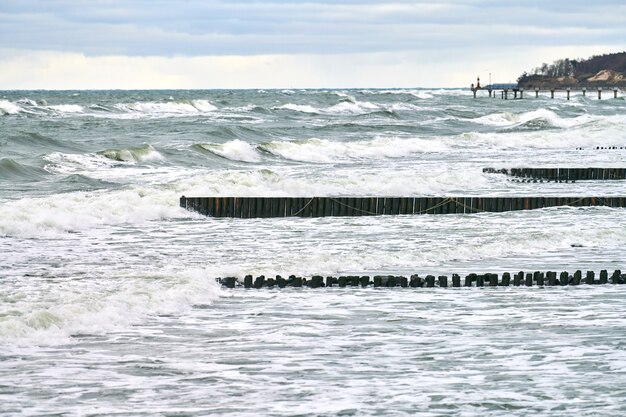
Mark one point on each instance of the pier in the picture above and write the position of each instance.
(266, 207)
(519, 279)
(514, 92)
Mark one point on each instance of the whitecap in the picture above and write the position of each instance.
(235, 150)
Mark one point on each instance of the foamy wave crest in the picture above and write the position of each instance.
(141, 153)
(7, 108)
(72, 212)
(302, 108)
(352, 107)
(322, 150)
(551, 139)
(184, 107)
(269, 183)
(66, 108)
(67, 163)
(542, 116)
(235, 150)
(50, 314)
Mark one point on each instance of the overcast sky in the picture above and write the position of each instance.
(67, 44)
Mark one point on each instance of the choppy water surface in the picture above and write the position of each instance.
(107, 295)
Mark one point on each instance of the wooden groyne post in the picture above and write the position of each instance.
(562, 174)
(251, 207)
(520, 279)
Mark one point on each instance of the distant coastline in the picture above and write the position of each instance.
(607, 70)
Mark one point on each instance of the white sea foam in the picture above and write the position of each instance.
(236, 150)
(70, 163)
(72, 212)
(323, 150)
(297, 107)
(152, 108)
(138, 154)
(66, 108)
(507, 119)
(7, 107)
(50, 314)
(352, 107)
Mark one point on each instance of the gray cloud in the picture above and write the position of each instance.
(195, 27)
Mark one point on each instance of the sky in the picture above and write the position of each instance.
(189, 44)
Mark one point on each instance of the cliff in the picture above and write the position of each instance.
(599, 71)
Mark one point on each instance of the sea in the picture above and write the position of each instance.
(108, 297)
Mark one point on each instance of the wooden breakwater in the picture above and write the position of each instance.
(562, 174)
(251, 207)
(529, 279)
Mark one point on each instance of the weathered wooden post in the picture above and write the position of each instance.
(577, 277)
(456, 280)
(342, 281)
(552, 93)
(616, 278)
(590, 278)
(443, 281)
(599, 93)
(365, 281)
(604, 277)
(404, 282)
(259, 281)
(564, 278)
(551, 278)
(517, 278)
(468, 279)
(430, 281)
(506, 280)
(415, 281)
(282, 282)
(493, 280)
(378, 281)
(614, 92)
(480, 280)
(529, 280)
(521, 93)
(584, 91)
(568, 90)
(247, 281)
(229, 282)
(317, 281)
(506, 94)
(536, 92)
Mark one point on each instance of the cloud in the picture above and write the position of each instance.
(288, 43)
(200, 28)
(431, 68)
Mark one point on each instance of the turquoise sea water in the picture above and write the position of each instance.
(107, 296)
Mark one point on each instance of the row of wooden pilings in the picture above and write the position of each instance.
(562, 174)
(521, 278)
(252, 207)
(515, 91)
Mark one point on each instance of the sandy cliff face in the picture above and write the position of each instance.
(604, 78)
(607, 76)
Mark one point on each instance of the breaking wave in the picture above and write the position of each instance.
(138, 154)
(540, 118)
(235, 150)
(325, 151)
